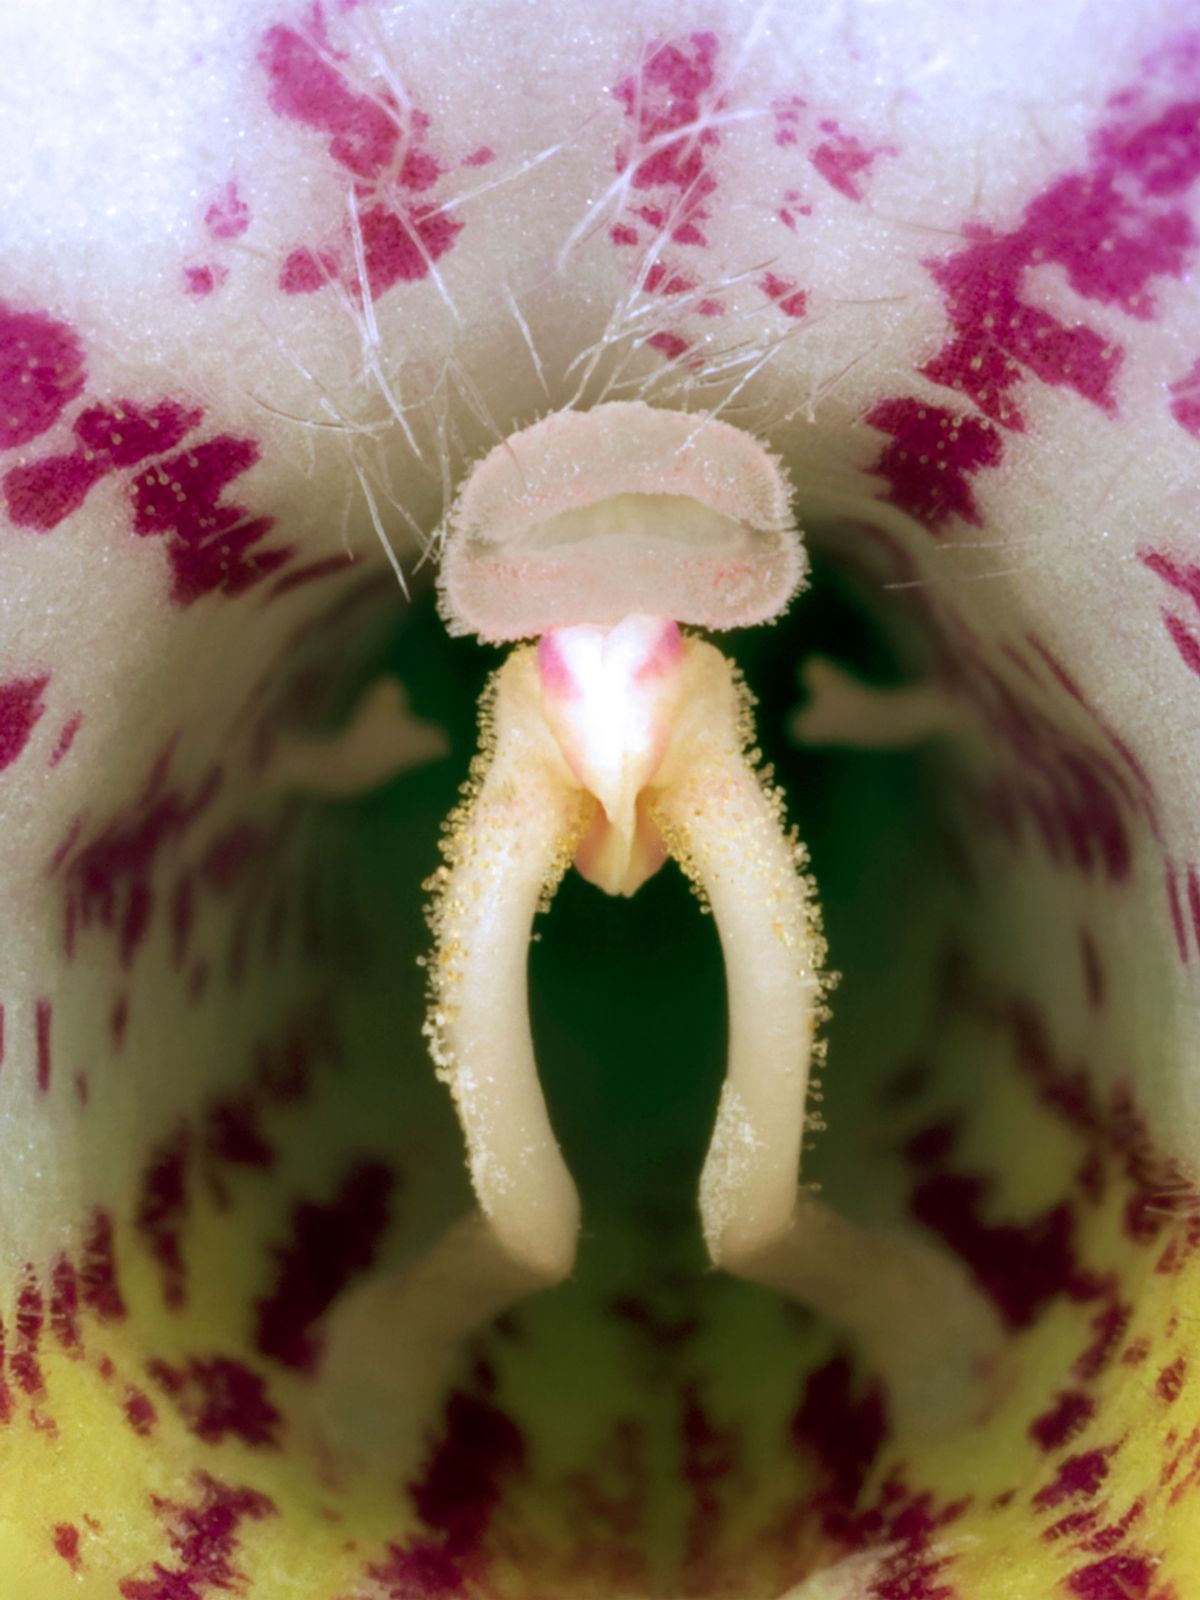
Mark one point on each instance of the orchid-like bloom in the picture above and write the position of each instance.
(344, 346)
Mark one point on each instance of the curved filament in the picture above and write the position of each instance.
(506, 848)
(724, 824)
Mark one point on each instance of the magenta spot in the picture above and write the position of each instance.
(661, 1330)
(284, 1067)
(1123, 1576)
(622, 234)
(41, 372)
(229, 854)
(41, 494)
(203, 1538)
(98, 1283)
(108, 881)
(64, 1307)
(1114, 739)
(1061, 787)
(1185, 640)
(792, 301)
(125, 433)
(932, 1146)
(910, 1570)
(305, 271)
(140, 1412)
(1184, 577)
(220, 1399)
(844, 1433)
(1109, 228)
(232, 1134)
(672, 93)
(330, 1245)
(664, 279)
(671, 345)
(66, 1543)
(6, 1399)
(42, 1030)
(931, 458)
(998, 337)
(1022, 1267)
(1176, 906)
(709, 1457)
(1169, 1384)
(423, 1572)
(314, 572)
(21, 707)
(788, 118)
(400, 246)
(1071, 1412)
(1109, 1327)
(66, 737)
(201, 281)
(209, 545)
(482, 157)
(162, 1211)
(45, 493)
(1078, 1477)
(307, 88)
(400, 241)
(227, 216)
(843, 160)
(23, 1363)
(794, 207)
(463, 1479)
(1185, 403)
(1161, 156)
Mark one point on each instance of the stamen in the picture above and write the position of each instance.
(724, 824)
(506, 847)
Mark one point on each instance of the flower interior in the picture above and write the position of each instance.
(281, 1317)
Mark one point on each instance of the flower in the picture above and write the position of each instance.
(275, 277)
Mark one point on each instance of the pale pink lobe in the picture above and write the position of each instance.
(591, 517)
(610, 696)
